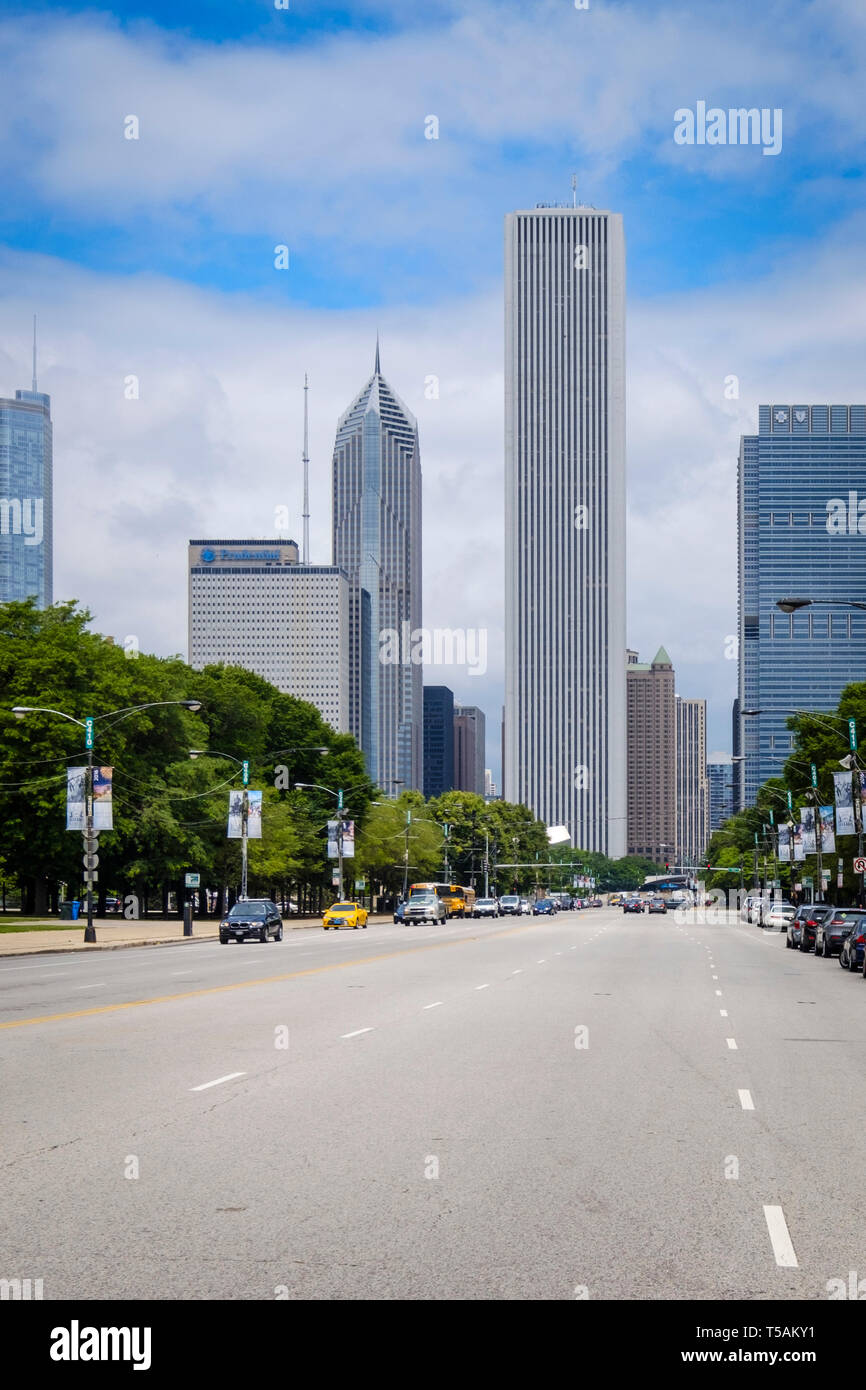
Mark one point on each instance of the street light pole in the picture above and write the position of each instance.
(89, 725)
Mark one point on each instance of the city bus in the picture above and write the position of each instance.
(458, 901)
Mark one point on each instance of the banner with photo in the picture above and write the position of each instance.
(797, 840)
(235, 829)
(348, 836)
(254, 815)
(103, 816)
(785, 843)
(76, 813)
(807, 821)
(844, 794)
(828, 838)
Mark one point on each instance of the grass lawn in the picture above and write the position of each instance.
(36, 924)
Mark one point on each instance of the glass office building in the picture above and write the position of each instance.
(438, 740)
(801, 534)
(377, 543)
(26, 495)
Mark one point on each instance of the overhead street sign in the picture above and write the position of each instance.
(860, 866)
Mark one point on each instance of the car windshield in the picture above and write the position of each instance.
(423, 898)
(342, 907)
(249, 910)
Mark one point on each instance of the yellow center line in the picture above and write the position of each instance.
(251, 984)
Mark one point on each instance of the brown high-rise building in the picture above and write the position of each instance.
(652, 757)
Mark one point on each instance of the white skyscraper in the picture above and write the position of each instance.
(565, 721)
(251, 604)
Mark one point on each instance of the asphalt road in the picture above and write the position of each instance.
(591, 1105)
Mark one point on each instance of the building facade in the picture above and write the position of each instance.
(720, 780)
(565, 703)
(438, 740)
(470, 734)
(252, 605)
(801, 534)
(693, 796)
(26, 498)
(377, 543)
(652, 758)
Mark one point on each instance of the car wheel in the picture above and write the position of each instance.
(788, 942)
(264, 936)
(325, 929)
(279, 935)
(224, 941)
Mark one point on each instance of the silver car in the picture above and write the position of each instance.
(425, 907)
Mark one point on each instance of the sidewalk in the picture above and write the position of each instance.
(112, 934)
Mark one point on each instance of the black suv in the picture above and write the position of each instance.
(832, 930)
(254, 919)
(807, 918)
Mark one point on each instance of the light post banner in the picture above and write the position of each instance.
(76, 811)
(844, 793)
(103, 816)
(797, 841)
(348, 837)
(236, 816)
(235, 829)
(828, 838)
(254, 815)
(785, 843)
(807, 821)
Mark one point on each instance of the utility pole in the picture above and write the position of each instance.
(245, 820)
(406, 857)
(89, 932)
(486, 864)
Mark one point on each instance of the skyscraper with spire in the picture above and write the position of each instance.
(26, 495)
(377, 542)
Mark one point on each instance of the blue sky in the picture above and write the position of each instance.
(260, 127)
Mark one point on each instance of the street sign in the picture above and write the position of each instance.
(192, 880)
(852, 734)
(245, 767)
(90, 861)
(860, 866)
(88, 733)
(814, 774)
(790, 802)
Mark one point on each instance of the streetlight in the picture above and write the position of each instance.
(792, 605)
(89, 727)
(244, 765)
(317, 786)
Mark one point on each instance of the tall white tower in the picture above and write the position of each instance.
(565, 704)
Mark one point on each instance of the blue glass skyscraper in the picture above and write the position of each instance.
(26, 496)
(802, 481)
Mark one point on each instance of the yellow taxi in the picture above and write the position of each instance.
(345, 915)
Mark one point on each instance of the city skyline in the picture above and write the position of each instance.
(161, 432)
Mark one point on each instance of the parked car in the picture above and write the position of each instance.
(657, 905)
(811, 916)
(254, 919)
(832, 930)
(509, 905)
(425, 907)
(851, 956)
(795, 923)
(779, 915)
(525, 907)
(345, 914)
(545, 907)
(485, 907)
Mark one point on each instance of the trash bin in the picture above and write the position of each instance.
(69, 911)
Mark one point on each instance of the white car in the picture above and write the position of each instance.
(779, 916)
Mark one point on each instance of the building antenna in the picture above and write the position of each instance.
(574, 190)
(34, 354)
(306, 460)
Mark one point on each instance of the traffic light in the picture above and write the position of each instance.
(667, 867)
